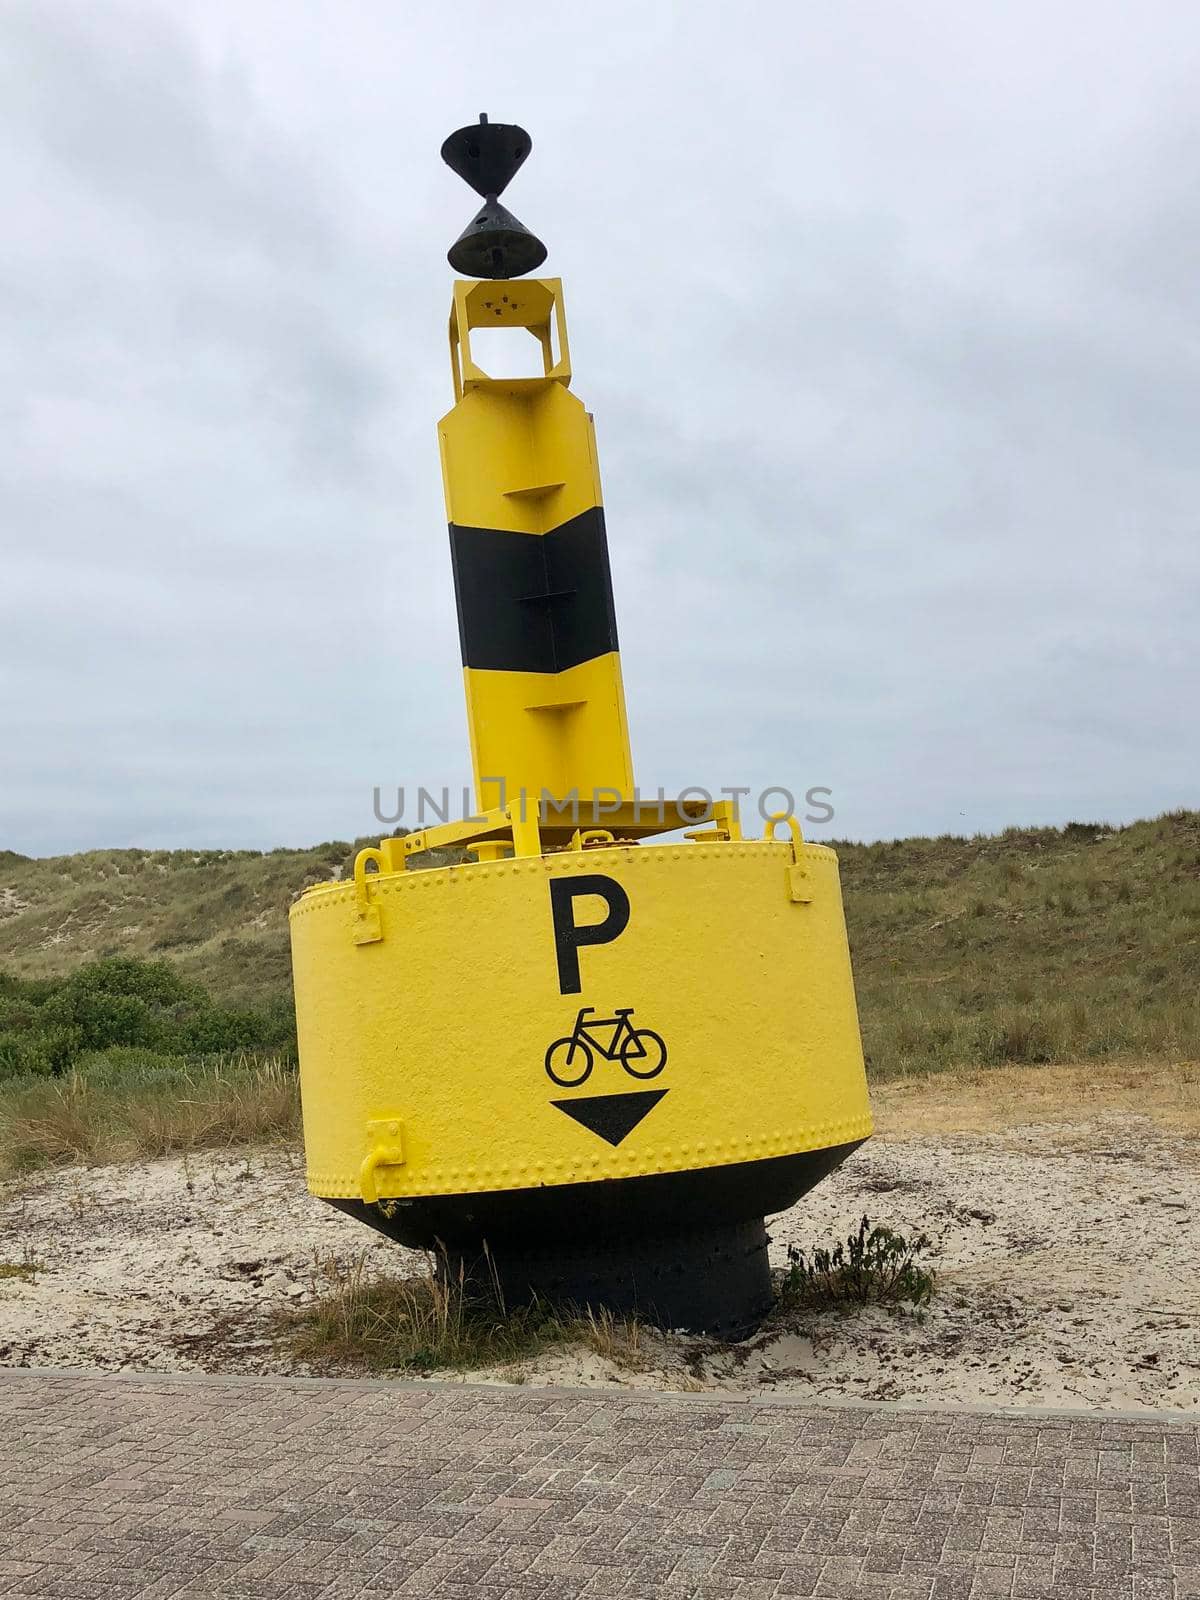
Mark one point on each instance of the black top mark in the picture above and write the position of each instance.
(494, 244)
(487, 154)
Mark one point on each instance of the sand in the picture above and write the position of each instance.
(1067, 1254)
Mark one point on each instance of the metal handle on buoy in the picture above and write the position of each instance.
(387, 1151)
(368, 929)
(799, 882)
(793, 823)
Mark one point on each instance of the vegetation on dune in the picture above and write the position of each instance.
(120, 1105)
(219, 916)
(124, 1058)
(1035, 945)
(49, 1025)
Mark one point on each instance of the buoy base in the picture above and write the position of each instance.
(707, 1280)
(685, 1250)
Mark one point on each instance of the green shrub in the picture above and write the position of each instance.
(40, 1052)
(120, 1005)
(874, 1265)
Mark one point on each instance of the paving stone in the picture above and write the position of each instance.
(171, 1489)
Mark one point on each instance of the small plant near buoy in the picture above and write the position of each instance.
(436, 1321)
(875, 1265)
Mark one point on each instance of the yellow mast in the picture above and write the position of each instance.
(537, 624)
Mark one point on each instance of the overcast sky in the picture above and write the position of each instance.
(889, 315)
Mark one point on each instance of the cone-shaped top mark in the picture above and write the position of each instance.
(487, 154)
(493, 244)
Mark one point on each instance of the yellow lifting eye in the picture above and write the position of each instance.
(793, 823)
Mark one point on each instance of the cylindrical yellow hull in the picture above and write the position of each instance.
(428, 1058)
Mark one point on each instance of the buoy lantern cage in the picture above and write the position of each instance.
(595, 1061)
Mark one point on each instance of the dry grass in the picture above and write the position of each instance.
(432, 1323)
(1036, 945)
(996, 1098)
(118, 1114)
(621, 1340)
(356, 1321)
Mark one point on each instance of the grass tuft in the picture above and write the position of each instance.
(28, 1266)
(117, 1110)
(621, 1340)
(433, 1322)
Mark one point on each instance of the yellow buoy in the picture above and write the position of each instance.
(601, 1060)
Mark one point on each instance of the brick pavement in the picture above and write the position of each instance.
(113, 1488)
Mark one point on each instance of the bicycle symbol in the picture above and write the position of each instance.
(640, 1051)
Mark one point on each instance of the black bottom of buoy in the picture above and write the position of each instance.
(682, 1249)
(713, 1280)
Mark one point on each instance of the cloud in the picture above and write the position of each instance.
(887, 330)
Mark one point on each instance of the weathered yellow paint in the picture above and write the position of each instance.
(439, 1027)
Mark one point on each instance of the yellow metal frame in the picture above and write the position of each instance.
(542, 825)
(535, 304)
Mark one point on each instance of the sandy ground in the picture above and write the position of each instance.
(1067, 1252)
